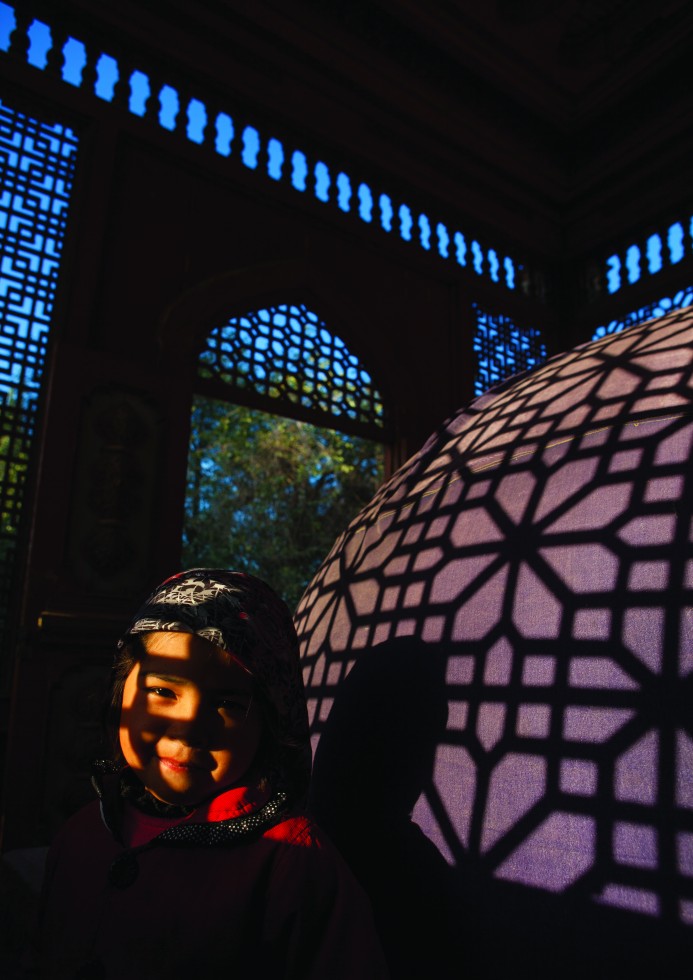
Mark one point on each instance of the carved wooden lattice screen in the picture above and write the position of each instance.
(679, 301)
(37, 162)
(287, 355)
(503, 349)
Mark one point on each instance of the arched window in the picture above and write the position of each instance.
(287, 445)
(286, 356)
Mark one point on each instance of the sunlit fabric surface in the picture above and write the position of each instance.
(530, 571)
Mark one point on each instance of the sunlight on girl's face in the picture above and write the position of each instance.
(189, 726)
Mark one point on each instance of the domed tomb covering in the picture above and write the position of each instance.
(501, 645)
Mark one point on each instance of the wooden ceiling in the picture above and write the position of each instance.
(565, 60)
(565, 125)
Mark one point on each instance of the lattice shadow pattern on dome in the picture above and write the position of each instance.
(536, 558)
(285, 354)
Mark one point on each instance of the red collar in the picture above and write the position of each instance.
(140, 828)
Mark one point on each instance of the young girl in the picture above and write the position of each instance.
(197, 860)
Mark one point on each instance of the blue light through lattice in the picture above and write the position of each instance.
(503, 349)
(405, 222)
(175, 111)
(365, 202)
(653, 254)
(75, 60)
(633, 263)
(478, 258)
(224, 134)
(251, 147)
(493, 264)
(460, 248)
(660, 307)
(40, 43)
(299, 170)
(37, 162)
(170, 106)
(8, 22)
(140, 91)
(36, 172)
(613, 274)
(275, 159)
(443, 240)
(107, 76)
(287, 352)
(386, 212)
(424, 231)
(197, 121)
(675, 239)
(322, 181)
(343, 192)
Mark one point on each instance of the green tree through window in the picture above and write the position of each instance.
(270, 495)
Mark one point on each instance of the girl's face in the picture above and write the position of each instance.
(189, 726)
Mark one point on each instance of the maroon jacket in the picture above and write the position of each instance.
(277, 902)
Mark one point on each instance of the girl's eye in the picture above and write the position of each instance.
(234, 707)
(161, 692)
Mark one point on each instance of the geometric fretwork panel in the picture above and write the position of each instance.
(537, 558)
(37, 162)
(287, 353)
(503, 349)
(681, 299)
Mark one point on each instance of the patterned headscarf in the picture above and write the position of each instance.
(246, 618)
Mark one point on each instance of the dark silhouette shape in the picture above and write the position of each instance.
(375, 758)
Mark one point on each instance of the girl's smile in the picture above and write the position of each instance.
(178, 765)
(189, 726)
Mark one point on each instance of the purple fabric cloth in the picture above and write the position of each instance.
(540, 545)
